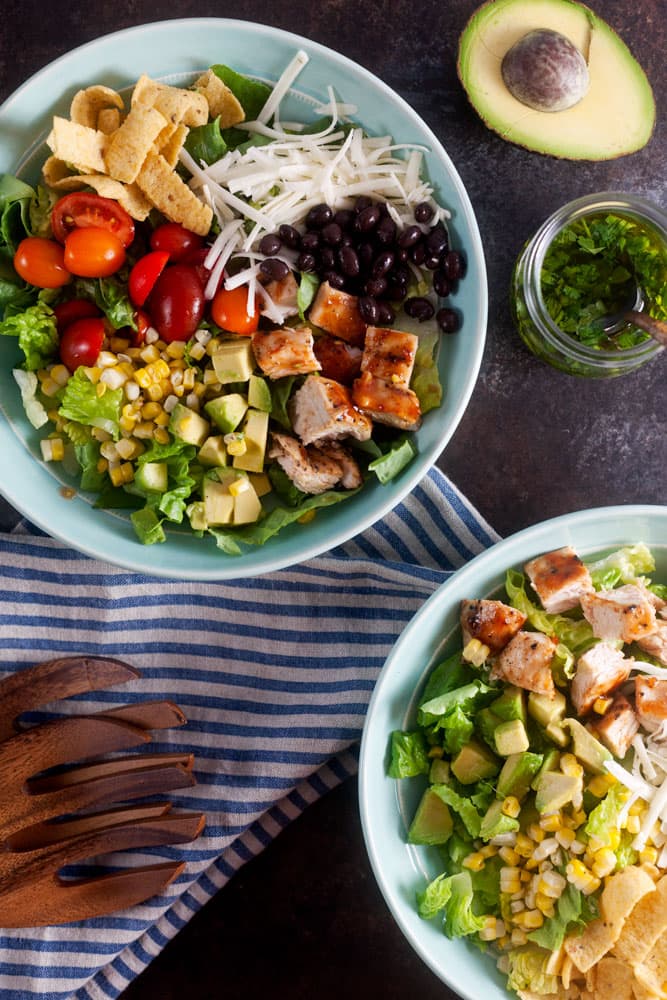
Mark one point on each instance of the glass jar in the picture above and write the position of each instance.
(534, 323)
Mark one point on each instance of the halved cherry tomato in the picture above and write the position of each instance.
(176, 304)
(93, 253)
(73, 309)
(229, 310)
(143, 322)
(41, 262)
(144, 274)
(177, 241)
(81, 209)
(81, 343)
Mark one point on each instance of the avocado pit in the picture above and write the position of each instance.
(545, 71)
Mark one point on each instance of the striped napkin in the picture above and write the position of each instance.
(273, 673)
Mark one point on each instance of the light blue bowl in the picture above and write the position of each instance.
(174, 51)
(387, 806)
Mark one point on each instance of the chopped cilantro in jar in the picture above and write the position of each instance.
(586, 262)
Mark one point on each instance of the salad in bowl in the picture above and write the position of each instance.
(227, 320)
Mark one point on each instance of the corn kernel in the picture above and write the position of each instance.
(475, 652)
(518, 937)
(600, 705)
(565, 837)
(648, 855)
(236, 443)
(633, 824)
(100, 434)
(149, 354)
(636, 809)
(102, 465)
(189, 378)
(159, 369)
(53, 449)
(161, 435)
(511, 806)
(127, 424)
(509, 856)
(535, 832)
(176, 349)
(149, 411)
(122, 474)
(570, 765)
(125, 448)
(545, 904)
(106, 359)
(552, 822)
(146, 429)
(119, 344)
(49, 387)
(60, 374)
(475, 861)
(155, 392)
(488, 851)
(197, 351)
(600, 785)
(109, 451)
(524, 845)
(579, 817)
(307, 517)
(529, 919)
(200, 389)
(162, 419)
(605, 862)
(143, 377)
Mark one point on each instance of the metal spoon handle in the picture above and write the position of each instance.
(656, 328)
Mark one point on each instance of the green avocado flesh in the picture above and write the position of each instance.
(616, 115)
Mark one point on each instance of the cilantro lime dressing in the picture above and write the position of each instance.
(591, 270)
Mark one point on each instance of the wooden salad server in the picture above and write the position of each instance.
(51, 771)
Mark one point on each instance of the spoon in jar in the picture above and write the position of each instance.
(615, 322)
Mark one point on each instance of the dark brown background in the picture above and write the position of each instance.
(306, 919)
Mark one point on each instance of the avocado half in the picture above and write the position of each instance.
(615, 117)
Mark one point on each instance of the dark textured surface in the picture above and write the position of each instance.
(306, 919)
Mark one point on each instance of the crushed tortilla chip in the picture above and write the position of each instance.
(172, 196)
(108, 120)
(176, 104)
(87, 104)
(221, 101)
(130, 144)
(79, 145)
(652, 972)
(646, 923)
(172, 147)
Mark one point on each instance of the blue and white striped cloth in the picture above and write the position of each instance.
(273, 673)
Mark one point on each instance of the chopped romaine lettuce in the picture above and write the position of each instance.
(573, 912)
(528, 970)
(468, 698)
(111, 296)
(425, 381)
(388, 466)
(308, 285)
(454, 895)
(462, 807)
(409, 754)
(37, 334)
(625, 565)
(28, 385)
(147, 526)
(81, 403)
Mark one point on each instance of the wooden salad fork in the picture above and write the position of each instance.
(53, 774)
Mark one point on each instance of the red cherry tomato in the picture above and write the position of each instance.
(176, 304)
(41, 263)
(229, 310)
(175, 240)
(81, 343)
(143, 322)
(67, 312)
(93, 253)
(144, 274)
(196, 259)
(82, 209)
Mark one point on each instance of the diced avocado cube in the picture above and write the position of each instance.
(551, 763)
(261, 482)
(218, 503)
(247, 506)
(546, 710)
(486, 723)
(511, 737)
(517, 773)
(439, 773)
(153, 476)
(233, 361)
(495, 822)
(554, 790)
(432, 823)
(259, 394)
(473, 762)
(510, 705)
(197, 515)
(227, 411)
(589, 751)
(213, 452)
(255, 430)
(557, 734)
(188, 426)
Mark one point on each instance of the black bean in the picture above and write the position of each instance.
(366, 252)
(402, 255)
(419, 308)
(274, 269)
(437, 240)
(349, 261)
(383, 263)
(401, 273)
(368, 309)
(332, 234)
(386, 314)
(376, 287)
(431, 261)
(290, 236)
(328, 258)
(318, 216)
(362, 202)
(368, 218)
(335, 279)
(441, 285)
(396, 290)
(307, 262)
(310, 241)
(410, 236)
(453, 265)
(385, 233)
(345, 218)
(448, 320)
(423, 212)
(418, 254)
(270, 244)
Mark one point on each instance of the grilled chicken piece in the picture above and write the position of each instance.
(322, 410)
(599, 671)
(651, 701)
(559, 579)
(389, 354)
(492, 622)
(386, 402)
(655, 644)
(338, 313)
(351, 478)
(526, 662)
(284, 294)
(338, 359)
(618, 726)
(285, 351)
(310, 469)
(624, 613)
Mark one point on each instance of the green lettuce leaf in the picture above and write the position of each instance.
(573, 912)
(454, 895)
(205, 142)
(147, 526)
(626, 565)
(177, 456)
(446, 676)
(604, 817)
(15, 201)
(37, 334)
(393, 461)
(111, 296)
(409, 754)
(308, 285)
(281, 390)
(468, 698)
(457, 729)
(425, 381)
(28, 387)
(462, 807)
(88, 455)
(251, 94)
(81, 403)
(528, 970)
